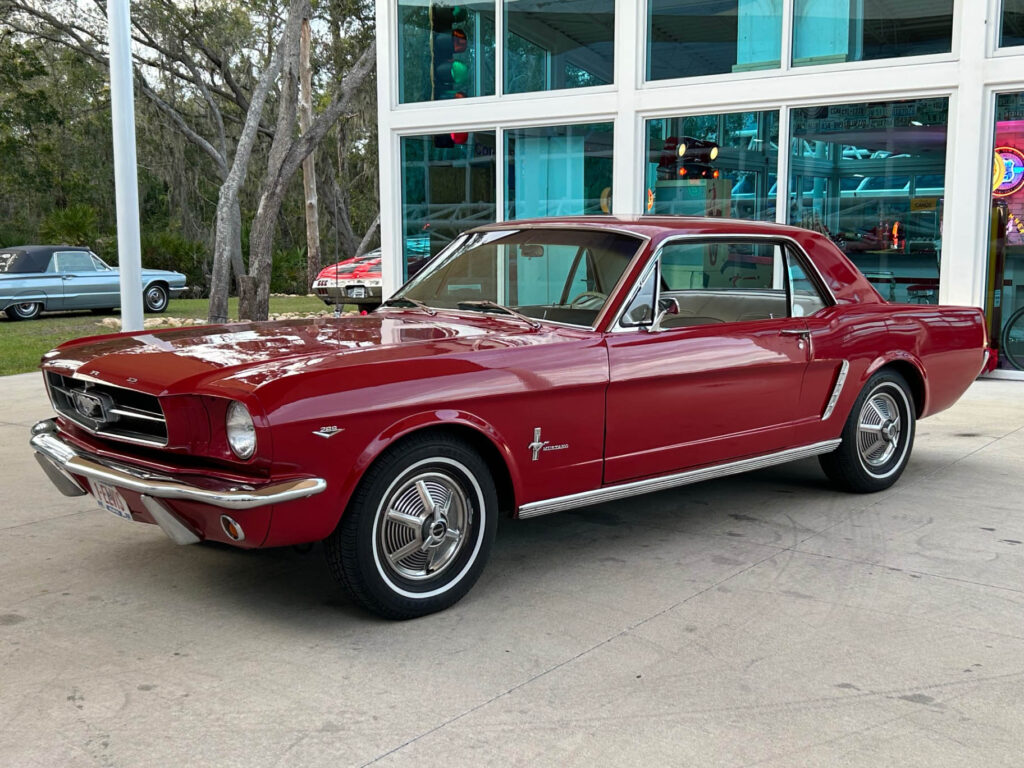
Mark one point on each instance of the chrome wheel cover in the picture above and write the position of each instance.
(879, 429)
(156, 298)
(27, 310)
(423, 525)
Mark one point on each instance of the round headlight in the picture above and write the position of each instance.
(241, 431)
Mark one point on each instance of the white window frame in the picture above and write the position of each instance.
(970, 76)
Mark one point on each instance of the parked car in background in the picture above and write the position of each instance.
(359, 281)
(531, 367)
(42, 278)
(352, 281)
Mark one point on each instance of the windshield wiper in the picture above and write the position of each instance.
(398, 300)
(486, 304)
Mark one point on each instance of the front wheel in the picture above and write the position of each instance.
(418, 530)
(28, 310)
(155, 298)
(877, 438)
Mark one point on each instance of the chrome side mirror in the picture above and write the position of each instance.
(666, 307)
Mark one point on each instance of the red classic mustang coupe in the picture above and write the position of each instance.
(532, 367)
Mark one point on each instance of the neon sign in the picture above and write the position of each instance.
(1012, 161)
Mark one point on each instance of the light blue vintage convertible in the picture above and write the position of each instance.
(37, 278)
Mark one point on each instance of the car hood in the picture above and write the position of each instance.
(236, 357)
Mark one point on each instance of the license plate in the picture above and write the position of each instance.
(110, 499)
(359, 292)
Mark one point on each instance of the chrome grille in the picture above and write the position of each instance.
(108, 411)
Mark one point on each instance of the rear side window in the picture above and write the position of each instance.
(23, 263)
(723, 281)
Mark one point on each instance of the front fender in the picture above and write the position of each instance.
(442, 417)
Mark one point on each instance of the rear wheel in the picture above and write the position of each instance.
(28, 310)
(418, 530)
(877, 438)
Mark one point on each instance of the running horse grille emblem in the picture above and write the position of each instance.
(92, 406)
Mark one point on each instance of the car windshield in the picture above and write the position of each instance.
(562, 275)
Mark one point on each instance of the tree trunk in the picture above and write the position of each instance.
(286, 155)
(227, 245)
(313, 258)
(254, 288)
(227, 251)
(254, 298)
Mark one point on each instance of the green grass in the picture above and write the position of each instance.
(23, 343)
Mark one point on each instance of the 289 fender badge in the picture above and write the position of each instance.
(328, 431)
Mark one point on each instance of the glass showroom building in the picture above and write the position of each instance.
(896, 127)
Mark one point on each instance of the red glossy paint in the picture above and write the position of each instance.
(626, 404)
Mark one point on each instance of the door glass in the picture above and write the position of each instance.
(74, 261)
(715, 282)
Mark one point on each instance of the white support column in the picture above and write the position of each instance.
(968, 196)
(388, 150)
(782, 170)
(628, 164)
(126, 183)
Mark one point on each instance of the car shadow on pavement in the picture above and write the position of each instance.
(769, 508)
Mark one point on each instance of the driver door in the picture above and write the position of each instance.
(718, 380)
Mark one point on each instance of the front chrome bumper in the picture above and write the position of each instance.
(66, 461)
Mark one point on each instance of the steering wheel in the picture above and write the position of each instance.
(588, 297)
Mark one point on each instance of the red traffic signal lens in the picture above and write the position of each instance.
(459, 41)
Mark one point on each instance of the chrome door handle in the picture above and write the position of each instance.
(802, 332)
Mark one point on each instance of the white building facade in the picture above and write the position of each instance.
(895, 126)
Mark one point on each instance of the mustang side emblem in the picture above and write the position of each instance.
(328, 431)
(539, 445)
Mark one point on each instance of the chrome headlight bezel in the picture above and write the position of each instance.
(240, 430)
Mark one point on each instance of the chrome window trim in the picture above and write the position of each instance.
(638, 487)
(649, 269)
(788, 240)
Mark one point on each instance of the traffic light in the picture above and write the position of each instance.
(686, 158)
(449, 48)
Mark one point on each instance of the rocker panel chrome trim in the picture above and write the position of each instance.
(614, 492)
(836, 390)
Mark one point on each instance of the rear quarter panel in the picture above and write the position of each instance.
(939, 349)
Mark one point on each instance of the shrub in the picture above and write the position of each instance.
(74, 225)
(288, 274)
(169, 250)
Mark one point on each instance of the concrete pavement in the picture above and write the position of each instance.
(765, 619)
